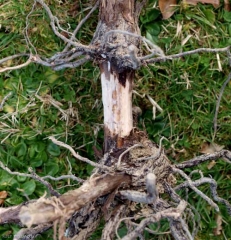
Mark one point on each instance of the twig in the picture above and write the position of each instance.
(61, 64)
(171, 213)
(37, 59)
(79, 46)
(26, 30)
(16, 67)
(218, 103)
(206, 157)
(112, 222)
(140, 197)
(61, 55)
(154, 232)
(34, 176)
(4, 100)
(213, 188)
(178, 55)
(185, 228)
(229, 56)
(64, 177)
(196, 190)
(31, 233)
(196, 171)
(155, 105)
(66, 57)
(177, 230)
(71, 64)
(13, 57)
(45, 183)
(119, 222)
(76, 155)
(80, 25)
(49, 99)
(175, 197)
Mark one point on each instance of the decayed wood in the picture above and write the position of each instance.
(85, 221)
(52, 209)
(132, 171)
(117, 101)
(111, 224)
(117, 67)
(10, 214)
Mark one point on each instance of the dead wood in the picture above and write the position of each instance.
(10, 214)
(48, 210)
(127, 185)
(101, 197)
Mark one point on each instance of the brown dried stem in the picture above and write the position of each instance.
(76, 155)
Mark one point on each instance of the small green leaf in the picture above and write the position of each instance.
(53, 149)
(14, 200)
(227, 16)
(15, 162)
(210, 15)
(229, 29)
(187, 94)
(15, 229)
(51, 76)
(39, 159)
(153, 28)
(21, 149)
(51, 168)
(40, 190)
(195, 126)
(89, 169)
(36, 162)
(150, 37)
(203, 20)
(150, 16)
(21, 178)
(31, 151)
(39, 147)
(28, 187)
(42, 111)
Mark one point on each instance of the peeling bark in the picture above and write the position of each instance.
(117, 101)
(117, 68)
(52, 209)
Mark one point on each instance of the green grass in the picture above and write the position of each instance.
(26, 121)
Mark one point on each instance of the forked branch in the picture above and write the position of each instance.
(171, 213)
(225, 154)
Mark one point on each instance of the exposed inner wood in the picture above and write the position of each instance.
(117, 102)
(117, 72)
